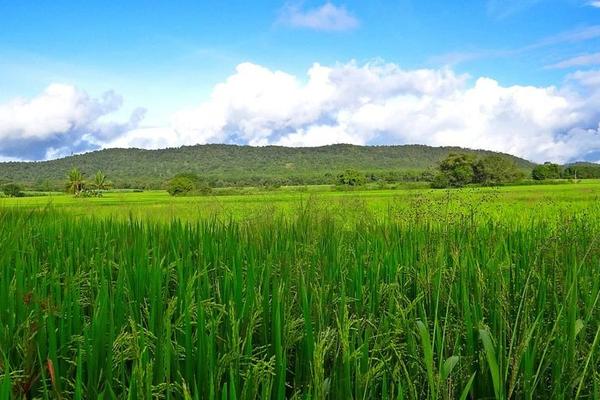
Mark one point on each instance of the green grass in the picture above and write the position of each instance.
(386, 294)
(520, 202)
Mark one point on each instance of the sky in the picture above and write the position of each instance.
(516, 76)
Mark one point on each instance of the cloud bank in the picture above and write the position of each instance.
(59, 121)
(375, 103)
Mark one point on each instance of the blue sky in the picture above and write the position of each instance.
(170, 59)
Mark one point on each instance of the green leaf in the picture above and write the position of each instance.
(490, 354)
(448, 366)
(467, 388)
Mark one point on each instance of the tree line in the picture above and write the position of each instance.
(550, 170)
(240, 166)
(455, 171)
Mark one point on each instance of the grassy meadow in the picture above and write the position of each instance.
(510, 202)
(303, 294)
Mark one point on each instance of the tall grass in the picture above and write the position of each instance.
(303, 307)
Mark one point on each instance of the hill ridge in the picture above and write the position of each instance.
(238, 164)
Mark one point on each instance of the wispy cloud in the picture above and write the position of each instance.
(327, 17)
(579, 61)
(581, 34)
(504, 8)
(594, 3)
(577, 35)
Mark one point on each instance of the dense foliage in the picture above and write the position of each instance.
(547, 170)
(186, 184)
(495, 170)
(352, 178)
(303, 308)
(460, 169)
(12, 190)
(581, 171)
(230, 165)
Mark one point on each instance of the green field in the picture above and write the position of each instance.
(514, 202)
(306, 294)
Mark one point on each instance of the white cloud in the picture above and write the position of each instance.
(595, 3)
(382, 104)
(61, 120)
(9, 159)
(588, 79)
(59, 108)
(327, 17)
(375, 103)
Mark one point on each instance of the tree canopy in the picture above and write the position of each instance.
(459, 170)
(351, 177)
(547, 170)
(13, 190)
(187, 183)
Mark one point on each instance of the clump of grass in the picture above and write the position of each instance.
(308, 307)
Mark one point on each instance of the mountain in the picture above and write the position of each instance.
(238, 165)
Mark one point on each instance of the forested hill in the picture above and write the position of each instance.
(237, 165)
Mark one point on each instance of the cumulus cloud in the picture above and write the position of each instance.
(61, 120)
(327, 17)
(381, 103)
(374, 103)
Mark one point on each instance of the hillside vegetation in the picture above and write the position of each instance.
(232, 165)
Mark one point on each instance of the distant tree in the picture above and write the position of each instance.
(351, 177)
(180, 185)
(188, 183)
(440, 181)
(582, 171)
(13, 190)
(496, 170)
(457, 170)
(76, 183)
(101, 182)
(547, 170)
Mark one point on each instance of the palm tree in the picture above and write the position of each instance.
(76, 182)
(101, 182)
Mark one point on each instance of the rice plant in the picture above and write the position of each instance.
(304, 307)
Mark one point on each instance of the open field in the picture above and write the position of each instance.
(396, 294)
(514, 202)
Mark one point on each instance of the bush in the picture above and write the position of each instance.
(13, 190)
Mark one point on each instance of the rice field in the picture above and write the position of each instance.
(475, 294)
